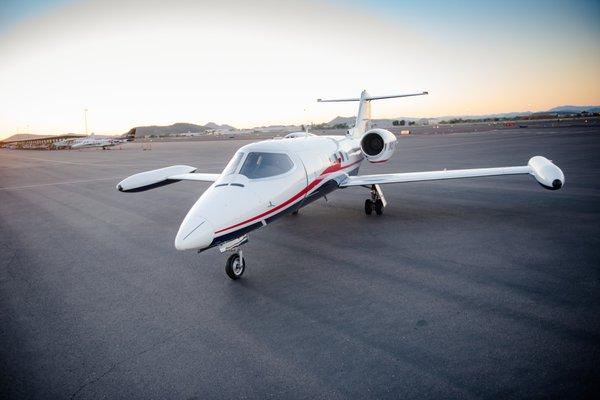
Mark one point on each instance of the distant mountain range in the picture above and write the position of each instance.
(142, 131)
(388, 121)
(575, 109)
(212, 125)
(179, 127)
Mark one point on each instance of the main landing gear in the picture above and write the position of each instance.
(377, 201)
(236, 264)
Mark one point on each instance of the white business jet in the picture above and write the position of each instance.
(268, 179)
(88, 141)
(93, 141)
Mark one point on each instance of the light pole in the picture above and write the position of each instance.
(85, 117)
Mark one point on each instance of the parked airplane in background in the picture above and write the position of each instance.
(65, 143)
(268, 179)
(93, 141)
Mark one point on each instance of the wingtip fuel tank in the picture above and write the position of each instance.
(546, 173)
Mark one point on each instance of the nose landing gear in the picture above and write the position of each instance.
(236, 264)
(377, 201)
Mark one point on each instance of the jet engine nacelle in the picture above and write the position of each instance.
(378, 145)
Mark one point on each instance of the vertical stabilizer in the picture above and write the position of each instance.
(364, 109)
(362, 116)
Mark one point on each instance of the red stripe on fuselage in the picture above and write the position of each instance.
(332, 168)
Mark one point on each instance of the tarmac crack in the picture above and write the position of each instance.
(10, 272)
(117, 364)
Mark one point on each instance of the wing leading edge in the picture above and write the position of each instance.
(163, 176)
(544, 171)
(195, 176)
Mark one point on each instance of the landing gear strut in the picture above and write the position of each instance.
(376, 202)
(236, 264)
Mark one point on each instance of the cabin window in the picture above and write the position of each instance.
(264, 165)
(233, 165)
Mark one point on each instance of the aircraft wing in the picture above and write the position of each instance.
(195, 177)
(163, 176)
(544, 171)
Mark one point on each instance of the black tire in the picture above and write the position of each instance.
(368, 206)
(295, 212)
(379, 206)
(233, 269)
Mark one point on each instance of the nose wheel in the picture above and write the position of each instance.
(236, 264)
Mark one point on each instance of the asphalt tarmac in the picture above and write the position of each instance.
(480, 288)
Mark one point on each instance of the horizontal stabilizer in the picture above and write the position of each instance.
(163, 176)
(369, 98)
(364, 109)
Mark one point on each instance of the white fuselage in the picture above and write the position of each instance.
(89, 142)
(264, 181)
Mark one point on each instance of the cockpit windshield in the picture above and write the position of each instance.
(264, 165)
(233, 164)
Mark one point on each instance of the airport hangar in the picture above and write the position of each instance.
(46, 142)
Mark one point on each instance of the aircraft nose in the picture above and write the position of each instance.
(195, 232)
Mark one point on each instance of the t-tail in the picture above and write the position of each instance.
(364, 109)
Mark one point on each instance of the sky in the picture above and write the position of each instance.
(265, 62)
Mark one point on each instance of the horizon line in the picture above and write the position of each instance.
(4, 136)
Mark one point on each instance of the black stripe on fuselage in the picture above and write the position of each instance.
(234, 235)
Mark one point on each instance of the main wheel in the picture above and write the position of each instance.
(379, 206)
(235, 266)
(368, 206)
